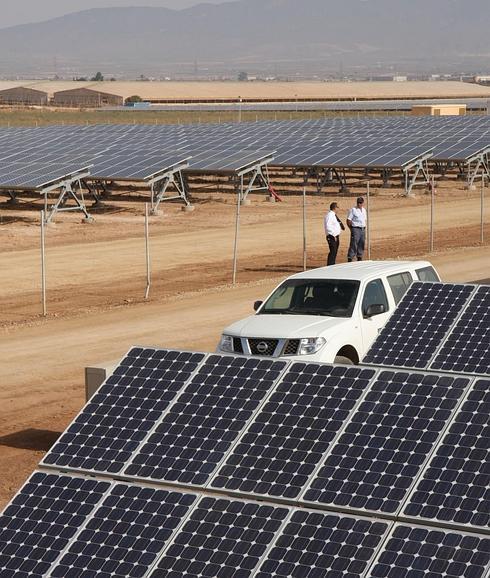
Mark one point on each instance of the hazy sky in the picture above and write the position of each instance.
(14, 12)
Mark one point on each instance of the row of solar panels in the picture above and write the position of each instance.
(359, 439)
(135, 152)
(70, 526)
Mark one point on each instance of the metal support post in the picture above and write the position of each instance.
(237, 228)
(147, 247)
(304, 229)
(43, 263)
(482, 208)
(432, 208)
(368, 223)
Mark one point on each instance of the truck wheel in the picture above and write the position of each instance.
(343, 360)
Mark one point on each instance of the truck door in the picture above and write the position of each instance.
(374, 294)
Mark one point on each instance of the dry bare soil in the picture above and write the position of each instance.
(96, 280)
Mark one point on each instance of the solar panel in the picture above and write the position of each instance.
(413, 552)
(205, 420)
(134, 164)
(125, 534)
(221, 539)
(315, 544)
(455, 487)
(39, 522)
(36, 176)
(418, 325)
(467, 348)
(283, 444)
(385, 444)
(117, 419)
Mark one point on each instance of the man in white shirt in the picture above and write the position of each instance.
(333, 226)
(356, 221)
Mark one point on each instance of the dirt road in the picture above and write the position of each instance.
(96, 282)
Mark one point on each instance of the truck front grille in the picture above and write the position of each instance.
(237, 345)
(291, 347)
(265, 347)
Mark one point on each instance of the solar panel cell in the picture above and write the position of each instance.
(117, 419)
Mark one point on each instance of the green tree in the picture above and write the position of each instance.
(134, 98)
(242, 76)
(99, 77)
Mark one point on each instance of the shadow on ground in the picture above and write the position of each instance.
(31, 439)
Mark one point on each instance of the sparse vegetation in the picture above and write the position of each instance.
(41, 117)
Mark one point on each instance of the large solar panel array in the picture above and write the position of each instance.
(137, 151)
(205, 465)
(438, 326)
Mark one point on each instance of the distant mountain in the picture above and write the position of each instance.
(285, 36)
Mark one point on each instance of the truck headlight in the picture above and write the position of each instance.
(311, 345)
(226, 343)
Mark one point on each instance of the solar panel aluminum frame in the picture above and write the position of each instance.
(120, 475)
(433, 521)
(180, 485)
(230, 499)
(396, 514)
(280, 499)
(438, 348)
(422, 527)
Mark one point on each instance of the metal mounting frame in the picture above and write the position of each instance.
(160, 183)
(420, 167)
(478, 164)
(68, 187)
(258, 172)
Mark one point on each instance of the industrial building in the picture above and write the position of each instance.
(86, 98)
(439, 110)
(20, 95)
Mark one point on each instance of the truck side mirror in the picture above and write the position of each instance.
(376, 309)
(257, 305)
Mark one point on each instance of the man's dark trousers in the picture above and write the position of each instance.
(333, 245)
(357, 242)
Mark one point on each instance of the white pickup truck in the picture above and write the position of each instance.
(331, 314)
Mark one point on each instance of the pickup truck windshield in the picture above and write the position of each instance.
(328, 297)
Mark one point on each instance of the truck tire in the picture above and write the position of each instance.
(343, 360)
